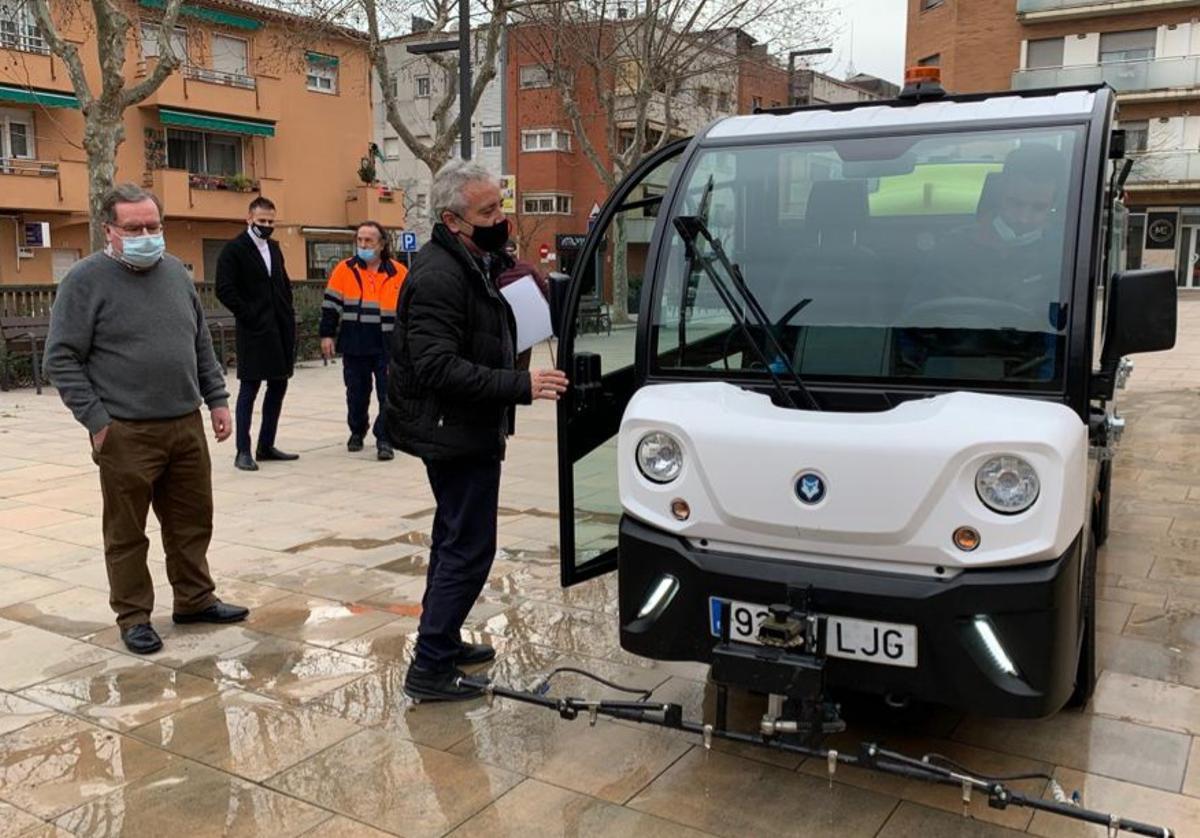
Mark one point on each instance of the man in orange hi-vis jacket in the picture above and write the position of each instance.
(357, 318)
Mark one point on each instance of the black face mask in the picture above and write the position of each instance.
(490, 239)
(263, 232)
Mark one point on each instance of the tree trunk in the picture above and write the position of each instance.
(101, 138)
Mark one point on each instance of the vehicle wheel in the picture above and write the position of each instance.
(1103, 504)
(1085, 673)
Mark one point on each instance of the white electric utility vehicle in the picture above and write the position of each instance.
(858, 432)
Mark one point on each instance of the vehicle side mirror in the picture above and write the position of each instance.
(1141, 317)
(560, 284)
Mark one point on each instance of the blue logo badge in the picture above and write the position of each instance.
(810, 488)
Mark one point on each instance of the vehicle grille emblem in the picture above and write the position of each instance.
(810, 488)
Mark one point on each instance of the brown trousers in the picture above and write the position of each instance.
(161, 463)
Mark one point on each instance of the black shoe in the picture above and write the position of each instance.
(245, 462)
(471, 654)
(274, 453)
(426, 685)
(384, 451)
(218, 612)
(141, 639)
(355, 442)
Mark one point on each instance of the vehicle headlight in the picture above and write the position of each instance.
(1007, 484)
(659, 457)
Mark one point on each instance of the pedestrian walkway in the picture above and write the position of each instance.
(294, 722)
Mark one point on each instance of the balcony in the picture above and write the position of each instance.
(186, 195)
(1180, 76)
(1165, 170)
(43, 185)
(377, 203)
(212, 91)
(1044, 11)
(30, 63)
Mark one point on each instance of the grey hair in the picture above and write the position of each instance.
(450, 183)
(125, 193)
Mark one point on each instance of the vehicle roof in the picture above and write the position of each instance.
(999, 107)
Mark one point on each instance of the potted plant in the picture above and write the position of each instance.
(241, 183)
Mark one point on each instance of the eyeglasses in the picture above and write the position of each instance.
(137, 229)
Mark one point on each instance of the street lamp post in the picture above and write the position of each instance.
(792, 56)
(463, 45)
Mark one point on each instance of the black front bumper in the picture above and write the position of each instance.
(1033, 609)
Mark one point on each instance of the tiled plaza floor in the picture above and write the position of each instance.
(294, 722)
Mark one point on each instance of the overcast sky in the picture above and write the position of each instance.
(876, 29)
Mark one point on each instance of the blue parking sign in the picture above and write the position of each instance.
(408, 242)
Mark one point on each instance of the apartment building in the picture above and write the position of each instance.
(262, 104)
(810, 87)
(420, 86)
(1147, 50)
(558, 187)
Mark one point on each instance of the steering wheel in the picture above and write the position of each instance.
(966, 313)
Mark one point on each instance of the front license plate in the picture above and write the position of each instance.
(891, 644)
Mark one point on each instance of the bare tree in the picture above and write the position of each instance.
(104, 108)
(381, 16)
(654, 75)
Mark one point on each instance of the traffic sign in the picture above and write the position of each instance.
(408, 241)
(544, 251)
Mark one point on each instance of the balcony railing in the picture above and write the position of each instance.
(1122, 76)
(1165, 167)
(218, 77)
(23, 166)
(1027, 7)
(22, 37)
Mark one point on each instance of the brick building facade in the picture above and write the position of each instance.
(1147, 50)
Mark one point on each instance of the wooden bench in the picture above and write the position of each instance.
(594, 317)
(23, 336)
(222, 325)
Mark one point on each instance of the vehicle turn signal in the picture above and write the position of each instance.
(966, 539)
(680, 509)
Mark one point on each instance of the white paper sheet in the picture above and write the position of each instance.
(531, 311)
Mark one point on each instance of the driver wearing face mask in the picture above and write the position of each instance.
(1017, 226)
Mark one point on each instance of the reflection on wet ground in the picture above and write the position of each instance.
(295, 722)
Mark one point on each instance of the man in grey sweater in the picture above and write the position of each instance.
(132, 358)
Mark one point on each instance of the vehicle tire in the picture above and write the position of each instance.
(1103, 504)
(1085, 672)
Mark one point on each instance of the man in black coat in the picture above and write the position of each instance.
(452, 390)
(253, 283)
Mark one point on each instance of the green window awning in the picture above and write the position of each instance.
(33, 96)
(209, 122)
(321, 59)
(210, 15)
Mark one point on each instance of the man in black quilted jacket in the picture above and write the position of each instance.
(452, 392)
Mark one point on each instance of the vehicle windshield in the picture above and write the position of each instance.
(921, 258)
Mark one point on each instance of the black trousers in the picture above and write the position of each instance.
(467, 493)
(272, 407)
(357, 372)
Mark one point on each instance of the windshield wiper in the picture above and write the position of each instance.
(691, 228)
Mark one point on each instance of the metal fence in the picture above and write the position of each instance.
(35, 300)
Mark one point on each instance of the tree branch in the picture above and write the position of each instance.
(66, 51)
(167, 59)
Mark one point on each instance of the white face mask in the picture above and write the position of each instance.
(1010, 236)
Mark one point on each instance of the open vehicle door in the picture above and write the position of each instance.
(598, 357)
